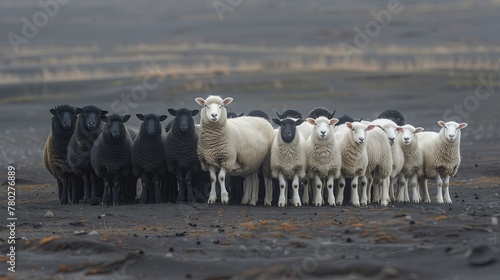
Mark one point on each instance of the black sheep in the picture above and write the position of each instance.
(111, 159)
(88, 128)
(56, 149)
(181, 151)
(394, 116)
(320, 111)
(148, 161)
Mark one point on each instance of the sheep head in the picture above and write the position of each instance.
(408, 133)
(451, 130)
(90, 116)
(65, 115)
(114, 125)
(358, 131)
(214, 108)
(322, 126)
(151, 123)
(288, 128)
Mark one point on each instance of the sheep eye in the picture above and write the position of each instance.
(221, 106)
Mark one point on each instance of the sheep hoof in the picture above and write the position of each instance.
(332, 203)
(447, 201)
(317, 204)
(297, 204)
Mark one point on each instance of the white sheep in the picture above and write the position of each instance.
(413, 165)
(288, 158)
(236, 146)
(379, 168)
(391, 129)
(323, 158)
(351, 138)
(441, 154)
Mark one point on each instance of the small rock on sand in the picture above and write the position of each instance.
(49, 214)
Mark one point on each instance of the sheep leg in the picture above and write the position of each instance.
(93, 184)
(392, 188)
(406, 194)
(59, 188)
(246, 193)
(329, 186)
(439, 183)
(340, 192)
(447, 198)
(86, 187)
(374, 188)
(401, 190)
(188, 180)
(269, 191)
(180, 185)
(224, 195)
(385, 192)
(318, 185)
(354, 191)
(145, 190)
(305, 195)
(295, 186)
(415, 191)
(424, 190)
(105, 194)
(65, 183)
(157, 186)
(282, 198)
(365, 190)
(116, 189)
(255, 189)
(213, 181)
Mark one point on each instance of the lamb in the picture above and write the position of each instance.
(441, 152)
(148, 160)
(323, 157)
(110, 158)
(88, 128)
(55, 150)
(235, 146)
(180, 151)
(394, 116)
(391, 129)
(413, 163)
(352, 142)
(288, 157)
(380, 165)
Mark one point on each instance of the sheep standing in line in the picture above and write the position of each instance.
(391, 129)
(148, 160)
(288, 158)
(351, 138)
(379, 168)
(111, 159)
(180, 151)
(441, 152)
(323, 158)
(55, 151)
(413, 164)
(234, 146)
(88, 128)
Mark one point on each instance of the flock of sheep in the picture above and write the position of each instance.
(96, 157)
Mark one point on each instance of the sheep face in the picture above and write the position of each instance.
(408, 134)
(322, 126)
(91, 116)
(358, 131)
(213, 107)
(391, 130)
(288, 128)
(452, 130)
(114, 125)
(151, 123)
(183, 118)
(65, 114)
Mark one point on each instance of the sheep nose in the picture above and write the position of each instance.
(323, 132)
(213, 115)
(91, 123)
(151, 131)
(391, 139)
(361, 139)
(407, 138)
(451, 135)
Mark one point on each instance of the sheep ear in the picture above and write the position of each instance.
(200, 101)
(418, 129)
(462, 125)
(53, 112)
(140, 116)
(279, 116)
(334, 121)
(442, 124)
(78, 110)
(333, 114)
(277, 121)
(399, 128)
(125, 118)
(370, 127)
(163, 117)
(172, 112)
(227, 101)
(240, 115)
(104, 118)
(194, 112)
(311, 121)
(299, 122)
(104, 112)
(349, 125)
